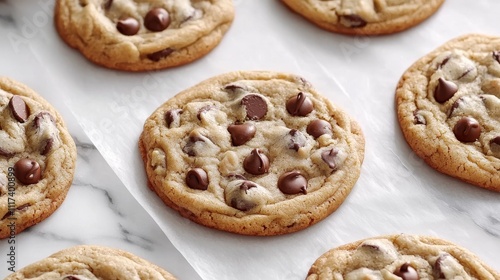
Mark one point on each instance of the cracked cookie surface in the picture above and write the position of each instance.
(256, 153)
(448, 106)
(140, 35)
(365, 17)
(89, 262)
(37, 158)
(407, 257)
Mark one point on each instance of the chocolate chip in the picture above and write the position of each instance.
(352, 21)
(297, 140)
(128, 26)
(330, 157)
(256, 163)
(232, 87)
(234, 176)
(203, 110)
(444, 90)
(299, 105)
(19, 109)
(443, 63)
(317, 128)
(37, 121)
(157, 56)
(27, 171)
(240, 202)
(172, 116)
(5, 153)
(292, 183)
(467, 129)
(406, 272)
(157, 19)
(418, 118)
(496, 56)
(465, 73)
(255, 106)
(197, 179)
(241, 133)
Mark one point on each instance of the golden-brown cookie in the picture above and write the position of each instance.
(406, 257)
(365, 17)
(37, 158)
(448, 106)
(257, 153)
(143, 35)
(88, 262)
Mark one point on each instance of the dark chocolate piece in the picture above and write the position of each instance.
(316, 128)
(128, 26)
(299, 105)
(157, 19)
(292, 183)
(255, 106)
(256, 163)
(241, 133)
(19, 108)
(444, 90)
(197, 179)
(467, 129)
(27, 171)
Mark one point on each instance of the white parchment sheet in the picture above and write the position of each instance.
(396, 192)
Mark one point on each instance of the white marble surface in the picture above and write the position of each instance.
(396, 192)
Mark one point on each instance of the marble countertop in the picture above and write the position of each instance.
(101, 208)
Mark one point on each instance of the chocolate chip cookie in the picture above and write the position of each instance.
(256, 153)
(37, 158)
(365, 17)
(88, 262)
(143, 35)
(448, 106)
(407, 257)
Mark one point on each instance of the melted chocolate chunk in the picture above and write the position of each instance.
(444, 90)
(317, 128)
(495, 141)
(37, 122)
(256, 163)
(172, 116)
(443, 63)
(157, 19)
(467, 129)
(496, 56)
(418, 118)
(27, 171)
(407, 272)
(234, 176)
(455, 105)
(19, 109)
(48, 145)
(299, 105)
(330, 157)
(292, 183)
(203, 110)
(20, 208)
(197, 179)
(189, 148)
(232, 87)
(241, 133)
(297, 140)
(352, 21)
(255, 106)
(438, 273)
(157, 56)
(5, 153)
(246, 185)
(128, 26)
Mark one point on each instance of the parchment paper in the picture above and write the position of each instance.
(396, 193)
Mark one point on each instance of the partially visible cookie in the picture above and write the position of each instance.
(257, 153)
(407, 257)
(88, 262)
(448, 106)
(37, 158)
(365, 17)
(143, 35)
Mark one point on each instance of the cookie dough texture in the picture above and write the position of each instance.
(192, 29)
(35, 136)
(88, 262)
(448, 106)
(365, 17)
(400, 257)
(255, 153)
